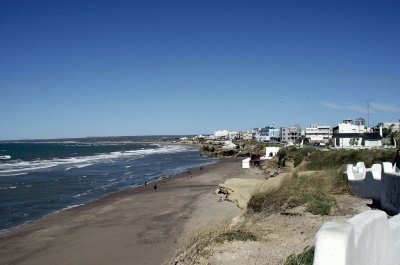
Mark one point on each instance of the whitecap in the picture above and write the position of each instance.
(24, 167)
(80, 194)
(83, 165)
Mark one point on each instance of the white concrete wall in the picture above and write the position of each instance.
(246, 163)
(390, 194)
(268, 151)
(373, 143)
(368, 238)
(359, 171)
(365, 182)
(380, 183)
(344, 142)
(351, 128)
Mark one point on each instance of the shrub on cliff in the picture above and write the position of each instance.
(297, 155)
(304, 258)
(311, 190)
(321, 160)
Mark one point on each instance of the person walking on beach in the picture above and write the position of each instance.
(396, 162)
(155, 187)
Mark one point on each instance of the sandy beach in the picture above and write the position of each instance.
(134, 226)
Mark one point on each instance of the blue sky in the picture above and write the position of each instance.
(100, 68)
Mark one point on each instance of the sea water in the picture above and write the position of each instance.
(42, 178)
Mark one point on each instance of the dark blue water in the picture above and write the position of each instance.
(42, 178)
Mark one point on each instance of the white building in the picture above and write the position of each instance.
(226, 134)
(221, 134)
(349, 135)
(347, 126)
(229, 145)
(270, 152)
(318, 133)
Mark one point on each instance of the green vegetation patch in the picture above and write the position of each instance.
(197, 244)
(304, 258)
(311, 190)
(320, 160)
(319, 203)
(334, 158)
(322, 176)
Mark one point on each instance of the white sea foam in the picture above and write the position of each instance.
(80, 194)
(23, 167)
(17, 174)
(83, 165)
(7, 188)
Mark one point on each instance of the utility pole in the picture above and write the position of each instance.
(368, 100)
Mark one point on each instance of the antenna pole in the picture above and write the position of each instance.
(368, 100)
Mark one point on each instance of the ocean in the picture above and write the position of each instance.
(42, 178)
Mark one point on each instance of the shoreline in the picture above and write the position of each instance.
(155, 181)
(136, 216)
(72, 204)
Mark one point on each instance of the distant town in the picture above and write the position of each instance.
(347, 134)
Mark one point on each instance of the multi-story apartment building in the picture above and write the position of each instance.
(360, 122)
(290, 134)
(318, 133)
(267, 134)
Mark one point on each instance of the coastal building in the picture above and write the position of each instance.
(225, 134)
(349, 135)
(255, 132)
(221, 134)
(267, 134)
(290, 134)
(233, 135)
(318, 133)
(270, 152)
(391, 126)
(360, 122)
(229, 145)
(246, 135)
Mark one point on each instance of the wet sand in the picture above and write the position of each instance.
(134, 226)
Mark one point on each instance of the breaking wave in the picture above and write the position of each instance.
(23, 167)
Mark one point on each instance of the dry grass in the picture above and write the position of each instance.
(310, 179)
(198, 244)
(304, 258)
(312, 189)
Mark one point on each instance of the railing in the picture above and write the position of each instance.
(368, 238)
(380, 183)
